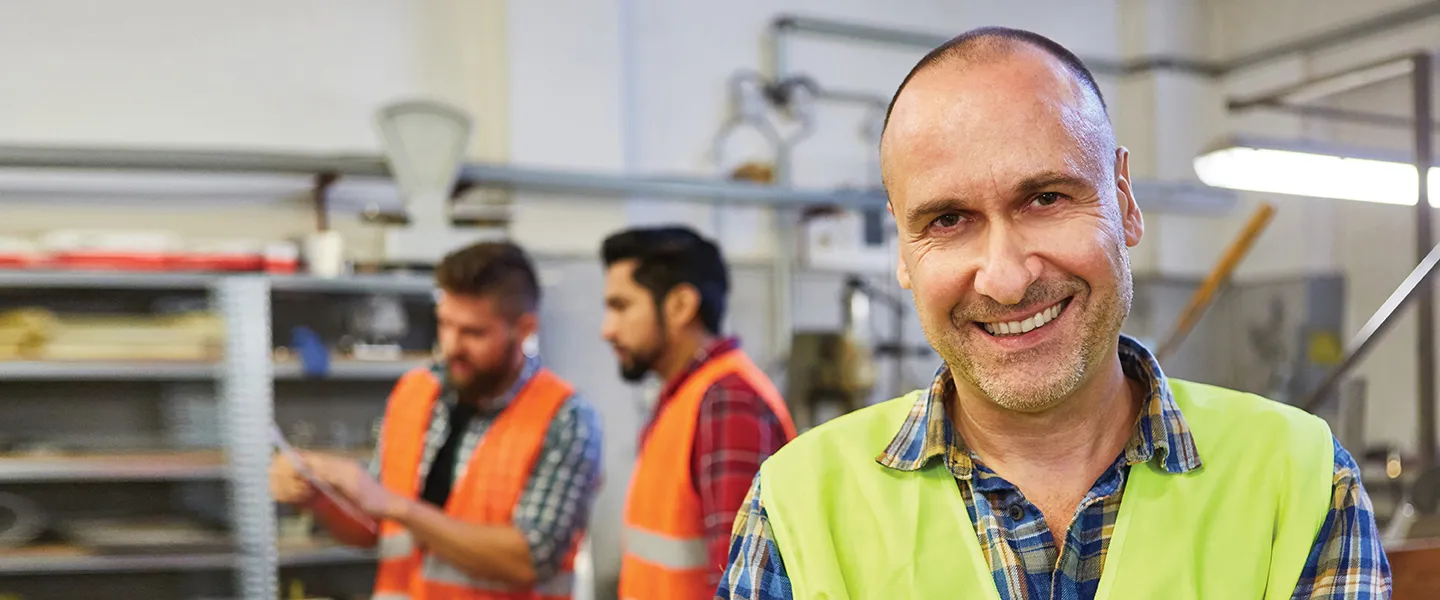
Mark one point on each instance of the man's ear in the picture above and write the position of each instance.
(682, 304)
(526, 325)
(902, 273)
(1130, 218)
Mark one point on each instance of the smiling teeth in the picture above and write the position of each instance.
(1018, 327)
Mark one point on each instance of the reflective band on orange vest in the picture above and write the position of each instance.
(397, 545)
(666, 554)
(680, 554)
(438, 571)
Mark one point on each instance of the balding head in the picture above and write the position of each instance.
(989, 43)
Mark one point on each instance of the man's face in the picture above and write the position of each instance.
(1015, 216)
(632, 323)
(480, 345)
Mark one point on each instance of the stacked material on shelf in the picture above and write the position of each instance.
(39, 334)
(146, 251)
(144, 535)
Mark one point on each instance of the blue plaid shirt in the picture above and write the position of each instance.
(1346, 562)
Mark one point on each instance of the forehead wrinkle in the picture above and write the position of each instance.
(932, 111)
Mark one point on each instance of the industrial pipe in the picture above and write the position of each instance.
(1423, 78)
(783, 25)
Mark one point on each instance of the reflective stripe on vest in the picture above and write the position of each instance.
(668, 552)
(1241, 526)
(487, 491)
(664, 554)
(441, 572)
(395, 545)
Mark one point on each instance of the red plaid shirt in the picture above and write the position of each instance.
(736, 430)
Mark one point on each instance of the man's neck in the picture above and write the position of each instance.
(683, 349)
(1083, 432)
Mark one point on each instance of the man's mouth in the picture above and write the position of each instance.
(1022, 326)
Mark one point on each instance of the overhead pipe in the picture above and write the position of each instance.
(784, 25)
(477, 173)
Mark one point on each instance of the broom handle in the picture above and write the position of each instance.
(1203, 297)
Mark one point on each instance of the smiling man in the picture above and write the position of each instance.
(1051, 457)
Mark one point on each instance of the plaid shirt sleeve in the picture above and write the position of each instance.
(735, 432)
(1347, 561)
(755, 570)
(556, 503)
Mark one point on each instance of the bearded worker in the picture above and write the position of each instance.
(1050, 457)
(488, 462)
(717, 417)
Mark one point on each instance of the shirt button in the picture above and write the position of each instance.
(1016, 512)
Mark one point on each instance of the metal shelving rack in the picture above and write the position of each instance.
(245, 393)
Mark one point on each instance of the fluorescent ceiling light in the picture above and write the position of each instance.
(1307, 169)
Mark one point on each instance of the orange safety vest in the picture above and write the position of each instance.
(487, 492)
(665, 555)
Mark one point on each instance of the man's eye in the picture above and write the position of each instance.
(1047, 198)
(948, 220)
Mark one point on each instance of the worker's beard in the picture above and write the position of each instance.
(635, 364)
(485, 385)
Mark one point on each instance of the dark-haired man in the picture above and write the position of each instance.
(487, 463)
(718, 416)
(1051, 457)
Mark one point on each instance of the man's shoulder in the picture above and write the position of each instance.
(577, 410)
(1201, 400)
(1250, 427)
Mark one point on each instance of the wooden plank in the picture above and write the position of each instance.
(1415, 570)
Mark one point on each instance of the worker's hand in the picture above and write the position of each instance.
(350, 479)
(286, 484)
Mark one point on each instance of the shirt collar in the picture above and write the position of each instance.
(494, 406)
(1161, 433)
(703, 354)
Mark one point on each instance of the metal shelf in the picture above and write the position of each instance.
(68, 564)
(406, 283)
(127, 280)
(165, 466)
(46, 370)
(354, 284)
(326, 556)
(86, 370)
(348, 370)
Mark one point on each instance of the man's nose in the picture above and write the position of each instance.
(1005, 270)
(607, 329)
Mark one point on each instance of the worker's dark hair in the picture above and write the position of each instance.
(498, 270)
(984, 42)
(667, 257)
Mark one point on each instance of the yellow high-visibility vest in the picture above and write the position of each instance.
(1239, 527)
